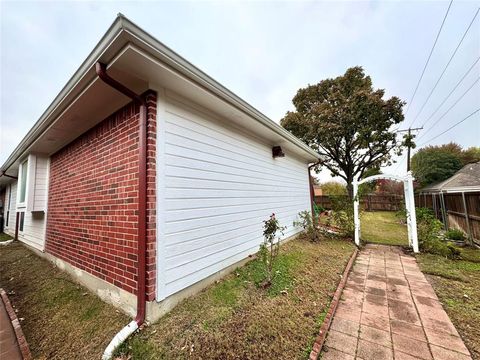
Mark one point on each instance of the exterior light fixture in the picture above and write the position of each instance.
(277, 152)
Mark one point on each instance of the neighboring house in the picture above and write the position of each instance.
(317, 190)
(467, 179)
(157, 211)
(456, 200)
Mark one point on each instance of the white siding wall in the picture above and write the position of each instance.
(34, 230)
(217, 185)
(35, 217)
(10, 229)
(40, 186)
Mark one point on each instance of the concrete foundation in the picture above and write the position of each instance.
(127, 302)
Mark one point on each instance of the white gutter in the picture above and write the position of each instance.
(189, 70)
(80, 75)
(118, 339)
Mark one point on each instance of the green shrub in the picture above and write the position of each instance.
(333, 188)
(309, 226)
(455, 234)
(271, 246)
(401, 214)
(319, 209)
(342, 214)
(428, 229)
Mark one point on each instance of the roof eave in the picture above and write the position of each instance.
(85, 74)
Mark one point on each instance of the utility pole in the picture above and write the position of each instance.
(409, 131)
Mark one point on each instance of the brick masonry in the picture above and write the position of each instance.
(389, 311)
(317, 346)
(15, 323)
(93, 200)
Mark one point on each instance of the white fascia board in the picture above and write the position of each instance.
(81, 75)
(86, 74)
(461, 189)
(190, 71)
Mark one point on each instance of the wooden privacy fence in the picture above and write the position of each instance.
(371, 202)
(460, 210)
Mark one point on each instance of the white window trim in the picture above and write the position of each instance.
(22, 204)
(19, 221)
(8, 206)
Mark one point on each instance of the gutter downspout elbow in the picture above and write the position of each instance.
(118, 339)
(4, 173)
(101, 71)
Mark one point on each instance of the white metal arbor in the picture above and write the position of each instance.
(409, 205)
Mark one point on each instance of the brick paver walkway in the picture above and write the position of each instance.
(9, 348)
(389, 311)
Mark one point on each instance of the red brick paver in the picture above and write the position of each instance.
(9, 348)
(388, 310)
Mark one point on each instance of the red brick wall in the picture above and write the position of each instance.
(93, 200)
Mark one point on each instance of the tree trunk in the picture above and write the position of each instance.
(350, 189)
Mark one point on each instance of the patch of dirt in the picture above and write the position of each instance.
(464, 312)
(61, 319)
(5, 237)
(256, 325)
(457, 285)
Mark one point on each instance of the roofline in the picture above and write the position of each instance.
(456, 189)
(442, 186)
(40, 125)
(123, 24)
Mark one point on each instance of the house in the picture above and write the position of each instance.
(317, 190)
(146, 179)
(467, 179)
(456, 201)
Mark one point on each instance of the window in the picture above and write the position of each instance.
(8, 204)
(23, 182)
(22, 220)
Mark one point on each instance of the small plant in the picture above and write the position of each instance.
(308, 224)
(271, 246)
(343, 215)
(319, 209)
(455, 234)
(401, 214)
(428, 228)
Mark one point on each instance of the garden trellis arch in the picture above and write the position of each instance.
(409, 205)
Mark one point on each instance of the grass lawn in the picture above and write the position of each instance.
(61, 320)
(457, 284)
(5, 237)
(235, 319)
(383, 227)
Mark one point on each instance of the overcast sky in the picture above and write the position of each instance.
(262, 51)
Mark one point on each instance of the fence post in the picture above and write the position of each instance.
(469, 232)
(413, 215)
(408, 211)
(444, 211)
(355, 213)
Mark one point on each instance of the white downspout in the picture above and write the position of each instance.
(118, 339)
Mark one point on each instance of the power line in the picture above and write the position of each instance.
(451, 127)
(428, 59)
(446, 66)
(450, 108)
(409, 144)
(400, 163)
(451, 92)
